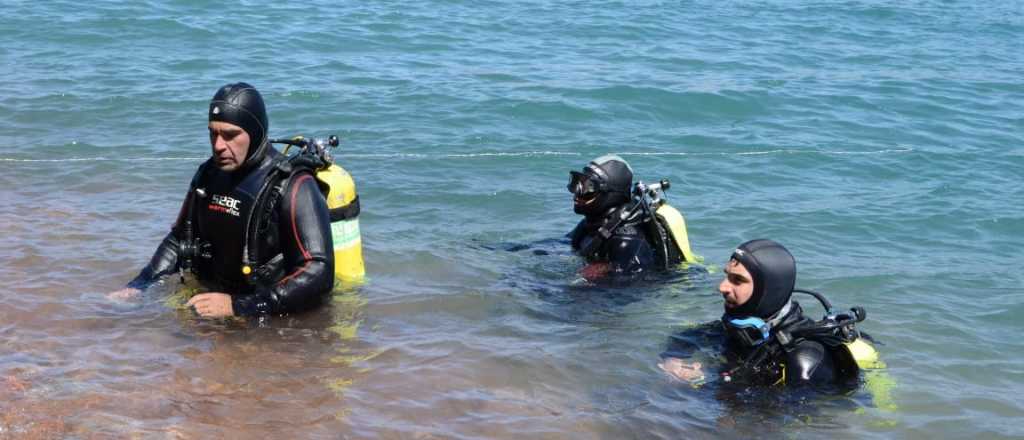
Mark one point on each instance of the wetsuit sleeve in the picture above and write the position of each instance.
(305, 233)
(576, 235)
(692, 341)
(165, 259)
(629, 255)
(809, 363)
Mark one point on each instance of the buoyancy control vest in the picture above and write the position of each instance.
(220, 204)
(252, 257)
(663, 226)
(339, 190)
(850, 352)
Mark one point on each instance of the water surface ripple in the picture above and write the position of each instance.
(880, 142)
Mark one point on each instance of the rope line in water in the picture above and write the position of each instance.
(104, 159)
(475, 155)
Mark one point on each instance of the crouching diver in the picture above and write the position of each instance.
(627, 229)
(254, 226)
(764, 335)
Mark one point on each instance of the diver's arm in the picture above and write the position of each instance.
(164, 262)
(305, 234)
(576, 235)
(689, 342)
(678, 358)
(165, 259)
(809, 363)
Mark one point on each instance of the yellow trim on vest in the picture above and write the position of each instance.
(865, 355)
(677, 227)
(877, 380)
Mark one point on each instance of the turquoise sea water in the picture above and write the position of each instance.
(881, 143)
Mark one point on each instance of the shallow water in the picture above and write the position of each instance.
(880, 143)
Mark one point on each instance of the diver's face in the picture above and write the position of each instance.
(581, 204)
(230, 145)
(584, 192)
(738, 285)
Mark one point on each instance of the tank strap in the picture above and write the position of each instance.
(347, 212)
(609, 227)
(266, 202)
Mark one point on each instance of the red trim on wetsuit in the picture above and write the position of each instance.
(295, 230)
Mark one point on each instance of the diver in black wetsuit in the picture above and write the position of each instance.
(602, 193)
(292, 263)
(764, 335)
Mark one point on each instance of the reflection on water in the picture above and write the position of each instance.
(92, 367)
(23, 414)
(886, 165)
(347, 306)
(505, 341)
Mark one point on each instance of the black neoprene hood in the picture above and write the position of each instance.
(242, 105)
(773, 270)
(616, 179)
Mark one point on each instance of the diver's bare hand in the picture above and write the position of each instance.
(212, 305)
(124, 294)
(682, 370)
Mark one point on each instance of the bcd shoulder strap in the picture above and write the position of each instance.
(267, 200)
(257, 268)
(607, 229)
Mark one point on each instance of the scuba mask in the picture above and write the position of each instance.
(603, 184)
(583, 186)
(751, 331)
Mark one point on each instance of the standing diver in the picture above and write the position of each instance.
(626, 229)
(254, 227)
(764, 335)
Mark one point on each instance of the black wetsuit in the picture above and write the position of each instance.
(627, 250)
(806, 362)
(298, 230)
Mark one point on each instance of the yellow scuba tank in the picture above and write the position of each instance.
(864, 355)
(339, 191)
(673, 222)
(876, 379)
(343, 204)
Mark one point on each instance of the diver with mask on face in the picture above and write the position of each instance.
(627, 229)
(764, 335)
(256, 224)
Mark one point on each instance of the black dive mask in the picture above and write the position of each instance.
(582, 185)
(602, 185)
